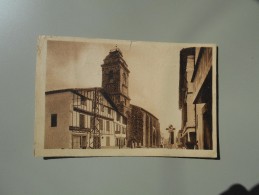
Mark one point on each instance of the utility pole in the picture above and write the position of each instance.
(95, 131)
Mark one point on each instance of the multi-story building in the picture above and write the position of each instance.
(186, 96)
(195, 97)
(202, 97)
(99, 117)
(82, 118)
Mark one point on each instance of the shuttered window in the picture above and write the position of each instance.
(101, 124)
(108, 126)
(82, 121)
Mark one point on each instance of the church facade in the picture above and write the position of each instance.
(100, 117)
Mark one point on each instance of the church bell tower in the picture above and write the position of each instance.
(115, 79)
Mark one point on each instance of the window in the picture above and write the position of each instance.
(82, 121)
(110, 76)
(101, 124)
(79, 142)
(107, 125)
(118, 117)
(109, 111)
(54, 120)
(124, 79)
(83, 101)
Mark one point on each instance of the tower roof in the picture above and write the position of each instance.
(116, 50)
(115, 56)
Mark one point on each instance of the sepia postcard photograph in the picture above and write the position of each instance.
(99, 97)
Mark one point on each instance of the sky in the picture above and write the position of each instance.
(153, 78)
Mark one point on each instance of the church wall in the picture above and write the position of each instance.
(145, 127)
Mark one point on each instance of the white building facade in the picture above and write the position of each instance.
(78, 118)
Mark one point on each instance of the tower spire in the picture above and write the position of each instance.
(116, 48)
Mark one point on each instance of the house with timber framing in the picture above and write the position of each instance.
(100, 117)
(82, 118)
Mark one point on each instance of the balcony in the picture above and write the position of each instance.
(79, 129)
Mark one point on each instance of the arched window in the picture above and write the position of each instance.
(124, 79)
(111, 76)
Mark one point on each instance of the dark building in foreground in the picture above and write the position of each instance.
(99, 117)
(195, 97)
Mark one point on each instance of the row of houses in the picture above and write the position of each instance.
(195, 98)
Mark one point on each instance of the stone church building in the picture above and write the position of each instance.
(99, 117)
